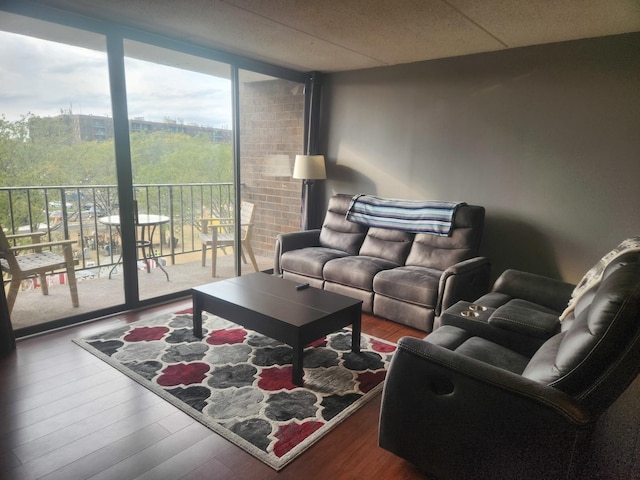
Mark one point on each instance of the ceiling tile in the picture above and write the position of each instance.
(530, 22)
(395, 32)
(338, 35)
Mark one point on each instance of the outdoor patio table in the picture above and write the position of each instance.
(148, 224)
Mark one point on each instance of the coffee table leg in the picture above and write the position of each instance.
(298, 370)
(197, 316)
(356, 328)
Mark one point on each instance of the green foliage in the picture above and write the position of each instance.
(163, 157)
(41, 151)
(13, 142)
(37, 151)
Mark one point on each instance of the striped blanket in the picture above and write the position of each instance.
(431, 217)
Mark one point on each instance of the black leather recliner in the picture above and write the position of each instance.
(503, 388)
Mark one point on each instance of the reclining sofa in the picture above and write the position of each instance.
(505, 389)
(399, 275)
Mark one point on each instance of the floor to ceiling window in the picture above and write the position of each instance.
(57, 162)
(208, 146)
(182, 162)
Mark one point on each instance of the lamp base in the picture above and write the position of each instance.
(305, 204)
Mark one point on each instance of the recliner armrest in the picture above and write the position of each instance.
(478, 324)
(525, 322)
(286, 242)
(466, 280)
(549, 292)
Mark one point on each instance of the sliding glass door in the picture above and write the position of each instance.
(181, 136)
(57, 163)
(166, 166)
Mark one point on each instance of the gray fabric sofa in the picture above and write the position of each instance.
(405, 277)
(505, 379)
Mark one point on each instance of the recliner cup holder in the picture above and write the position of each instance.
(477, 308)
(473, 311)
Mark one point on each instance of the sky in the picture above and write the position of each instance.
(43, 78)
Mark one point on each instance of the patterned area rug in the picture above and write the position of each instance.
(238, 382)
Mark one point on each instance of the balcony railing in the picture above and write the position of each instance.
(73, 212)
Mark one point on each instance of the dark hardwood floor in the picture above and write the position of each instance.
(67, 415)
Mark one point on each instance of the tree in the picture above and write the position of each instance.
(13, 138)
(41, 151)
(163, 157)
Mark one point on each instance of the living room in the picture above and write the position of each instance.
(543, 136)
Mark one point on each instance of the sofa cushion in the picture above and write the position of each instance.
(357, 271)
(414, 316)
(460, 341)
(309, 261)
(448, 337)
(418, 285)
(493, 354)
(392, 245)
(441, 252)
(337, 233)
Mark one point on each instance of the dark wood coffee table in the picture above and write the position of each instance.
(274, 307)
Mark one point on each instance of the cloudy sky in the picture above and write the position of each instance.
(43, 78)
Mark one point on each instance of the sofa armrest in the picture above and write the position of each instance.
(438, 406)
(286, 242)
(549, 292)
(466, 280)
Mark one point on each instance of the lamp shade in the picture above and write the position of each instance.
(309, 167)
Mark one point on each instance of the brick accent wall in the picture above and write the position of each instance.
(271, 135)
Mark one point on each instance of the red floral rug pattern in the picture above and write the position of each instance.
(238, 382)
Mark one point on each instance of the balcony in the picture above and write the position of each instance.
(74, 212)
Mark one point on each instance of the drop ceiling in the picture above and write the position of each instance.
(339, 35)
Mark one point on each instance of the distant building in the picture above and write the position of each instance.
(88, 128)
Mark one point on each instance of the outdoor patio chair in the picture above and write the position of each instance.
(21, 266)
(218, 233)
